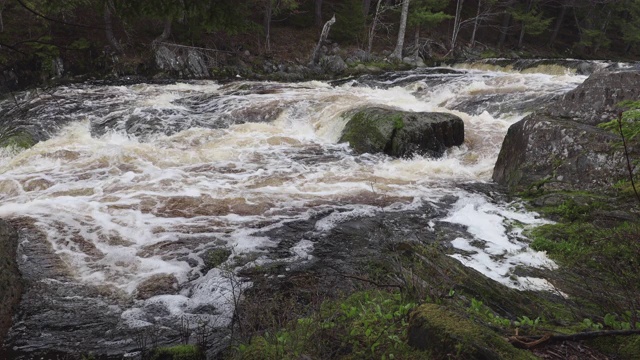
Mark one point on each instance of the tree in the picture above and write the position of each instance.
(108, 27)
(397, 53)
(628, 21)
(558, 24)
(457, 23)
(593, 22)
(426, 14)
(350, 22)
(372, 29)
(318, 12)
(485, 12)
(271, 9)
(531, 20)
(3, 3)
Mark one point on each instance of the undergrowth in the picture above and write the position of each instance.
(369, 324)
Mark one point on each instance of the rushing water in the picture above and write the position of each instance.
(143, 180)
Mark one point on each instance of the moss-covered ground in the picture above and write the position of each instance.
(595, 240)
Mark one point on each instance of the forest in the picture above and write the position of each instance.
(88, 34)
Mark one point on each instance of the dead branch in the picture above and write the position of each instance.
(529, 342)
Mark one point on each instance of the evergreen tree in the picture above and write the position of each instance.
(350, 20)
(628, 21)
(426, 14)
(532, 21)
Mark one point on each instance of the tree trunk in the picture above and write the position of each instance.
(108, 28)
(2, 5)
(521, 38)
(604, 31)
(366, 7)
(456, 24)
(318, 12)
(416, 39)
(267, 25)
(315, 58)
(397, 53)
(166, 31)
(504, 29)
(372, 29)
(475, 25)
(558, 25)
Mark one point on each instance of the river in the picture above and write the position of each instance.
(145, 181)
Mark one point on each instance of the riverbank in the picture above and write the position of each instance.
(288, 244)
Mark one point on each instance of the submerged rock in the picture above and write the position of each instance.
(401, 133)
(18, 138)
(560, 147)
(159, 284)
(10, 282)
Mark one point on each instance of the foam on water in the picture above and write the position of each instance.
(494, 250)
(147, 178)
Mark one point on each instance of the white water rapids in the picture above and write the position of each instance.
(144, 179)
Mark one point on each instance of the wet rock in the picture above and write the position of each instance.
(595, 101)
(197, 64)
(435, 328)
(10, 281)
(159, 284)
(413, 61)
(560, 147)
(333, 64)
(581, 67)
(402, 134)
(183, 62)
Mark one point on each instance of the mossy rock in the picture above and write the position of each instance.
(401, 133)
(215, 257)
(20, 140)
(434, 328)
(178, 352)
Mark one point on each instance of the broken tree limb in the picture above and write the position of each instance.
(315, 58)
(529, 342)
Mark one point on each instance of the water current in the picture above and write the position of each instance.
(144, 180)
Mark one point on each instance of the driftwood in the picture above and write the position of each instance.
(315, 58)
(529, 342)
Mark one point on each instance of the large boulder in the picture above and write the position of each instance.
(10, 281)
(561, 148)
(401, 133)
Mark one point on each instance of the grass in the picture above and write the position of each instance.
(178, 352)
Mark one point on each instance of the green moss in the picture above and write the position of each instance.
(624, 347)
(489, 53)
(215, 257)
(369, 131)
(398, 122)
(20, 140)
(178, 352)
(436, 328)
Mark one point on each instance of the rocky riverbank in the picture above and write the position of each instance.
(10, 280)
